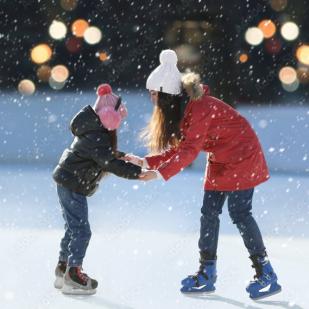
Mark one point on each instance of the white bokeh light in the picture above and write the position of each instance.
(254, 36)
(289, 31)
(57, 30)
(93, 35)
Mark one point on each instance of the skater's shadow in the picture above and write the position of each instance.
(99, 301)
(282, 304)
(223, 300)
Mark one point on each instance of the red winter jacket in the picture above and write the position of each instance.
(235, 161)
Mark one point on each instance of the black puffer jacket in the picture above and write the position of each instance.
(90, 156)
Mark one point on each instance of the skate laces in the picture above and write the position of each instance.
(200, 272)
(84, 277)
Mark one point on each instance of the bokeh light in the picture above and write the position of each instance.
(43, 73)
(287, 75)
(273, 45)
(79, 27)
(291, 87)
(55, 85)
(41, 53)
(289, 31)
(68, 5)
(26, 87)
(254, 36)
(278, 5)
(93, 35)
(103, 56)
(302, 54)
(57, 30)
(268, 28)
(74, 44)
(59, 73)
(303, 74)
(243, 58)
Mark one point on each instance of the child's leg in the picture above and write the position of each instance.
(78, 233)
(240, 206)
(210, 223)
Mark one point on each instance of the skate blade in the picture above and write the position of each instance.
(267, 294)
(193, 293)
(58, 284)
(70, 290)
(197, 291)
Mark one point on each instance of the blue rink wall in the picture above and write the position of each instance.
(36, 129)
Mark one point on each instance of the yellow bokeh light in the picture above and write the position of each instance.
(302, 54)
(41, 53)
(287, 75)
(93, 35)
(79, 27)
(57, 30)
(59, 73)
(243, 58)
(26, 87)
(268, 28)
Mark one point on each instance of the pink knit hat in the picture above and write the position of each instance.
(107, 109)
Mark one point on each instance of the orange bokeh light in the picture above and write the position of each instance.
(103, 56)
(268, 28)
(79, 27)
(243, 58)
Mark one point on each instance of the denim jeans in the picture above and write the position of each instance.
(239, 206)
(74, 244)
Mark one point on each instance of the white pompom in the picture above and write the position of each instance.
(168, 56)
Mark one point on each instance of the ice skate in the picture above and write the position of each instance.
(203, 281)
(59, 273)
(265, 281)
(78, 283)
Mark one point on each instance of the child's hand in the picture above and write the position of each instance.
(133, 159)
(148, 175)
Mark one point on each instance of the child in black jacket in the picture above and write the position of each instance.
(91, 155)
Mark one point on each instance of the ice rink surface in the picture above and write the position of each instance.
(145, 241)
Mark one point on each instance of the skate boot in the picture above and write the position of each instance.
(78, 283)
(265, 279)
(203, 281)
(59, 272)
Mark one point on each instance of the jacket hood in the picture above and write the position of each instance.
(84, 121)
(191, 82)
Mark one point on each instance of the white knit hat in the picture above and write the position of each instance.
(166, 77)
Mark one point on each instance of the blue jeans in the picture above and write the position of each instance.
(239, 206)
(77, 229)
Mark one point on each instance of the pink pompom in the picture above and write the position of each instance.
(104, 89)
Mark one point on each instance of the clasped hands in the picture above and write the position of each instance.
(145, 175)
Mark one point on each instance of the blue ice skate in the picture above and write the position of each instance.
(265, 281)
(203, 281)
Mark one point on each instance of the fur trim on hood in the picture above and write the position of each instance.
(191, 82)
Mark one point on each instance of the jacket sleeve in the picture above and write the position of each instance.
(104, 156)
(188, 149)
(155, 161)
(123, 169)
